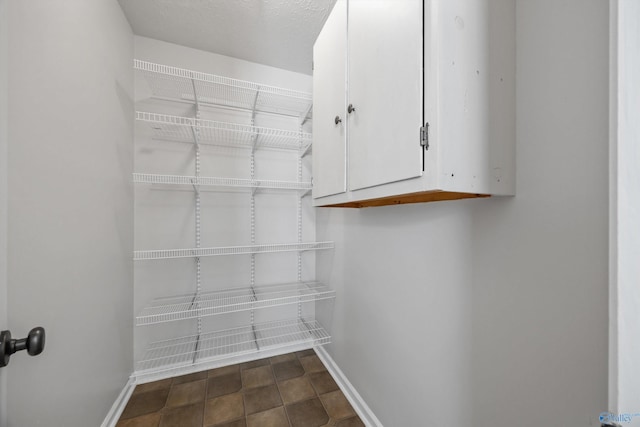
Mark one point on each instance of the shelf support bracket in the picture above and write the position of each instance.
(255, 103)
(195, 95)
(306, 150)
(254, 137)
(194, 130)
(196, 186)
(303, 119)
(254, 142)
(253, 323)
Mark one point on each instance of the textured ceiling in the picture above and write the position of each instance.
(279, 33)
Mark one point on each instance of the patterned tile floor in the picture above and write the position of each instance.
(292, 390)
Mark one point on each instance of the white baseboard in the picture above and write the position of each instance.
(118, 406)
(364, 412)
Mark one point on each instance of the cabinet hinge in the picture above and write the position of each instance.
(424, 136)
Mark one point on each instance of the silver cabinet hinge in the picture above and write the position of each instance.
(424, 136)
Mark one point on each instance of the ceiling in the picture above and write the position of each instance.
(279, 33)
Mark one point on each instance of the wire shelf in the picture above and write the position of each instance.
(215, 346)
(192, 306)
(230, 250)
(183, 129)
(221, 183)
(194, 86)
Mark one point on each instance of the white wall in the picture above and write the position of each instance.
(541, 267)
(402, 323)
(69, 208)
(493, 312)
(625, 214)
(3, 198)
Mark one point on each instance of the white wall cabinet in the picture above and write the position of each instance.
(414, 101)
(329, 76)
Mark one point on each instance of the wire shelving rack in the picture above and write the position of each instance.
(230, 250)
(221, 182)
(180, 84)
(191, 306)
(224, 134)
(203, 349)
(197, 351)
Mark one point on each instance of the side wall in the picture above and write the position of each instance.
(493, 312)
(70, 158)
(541, 259)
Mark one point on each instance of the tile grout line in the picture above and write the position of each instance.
(244, 399)
(206, 392)
(284, 406)
(318, 395)
(325, 410)
(242, 391)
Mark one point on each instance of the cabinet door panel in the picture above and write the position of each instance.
(329, 97)
(385, 88)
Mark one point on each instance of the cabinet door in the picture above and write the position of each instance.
(385, 81)
(329, 97)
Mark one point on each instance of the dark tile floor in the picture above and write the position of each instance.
(292, 390)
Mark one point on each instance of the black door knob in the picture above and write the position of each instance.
(33, 343)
